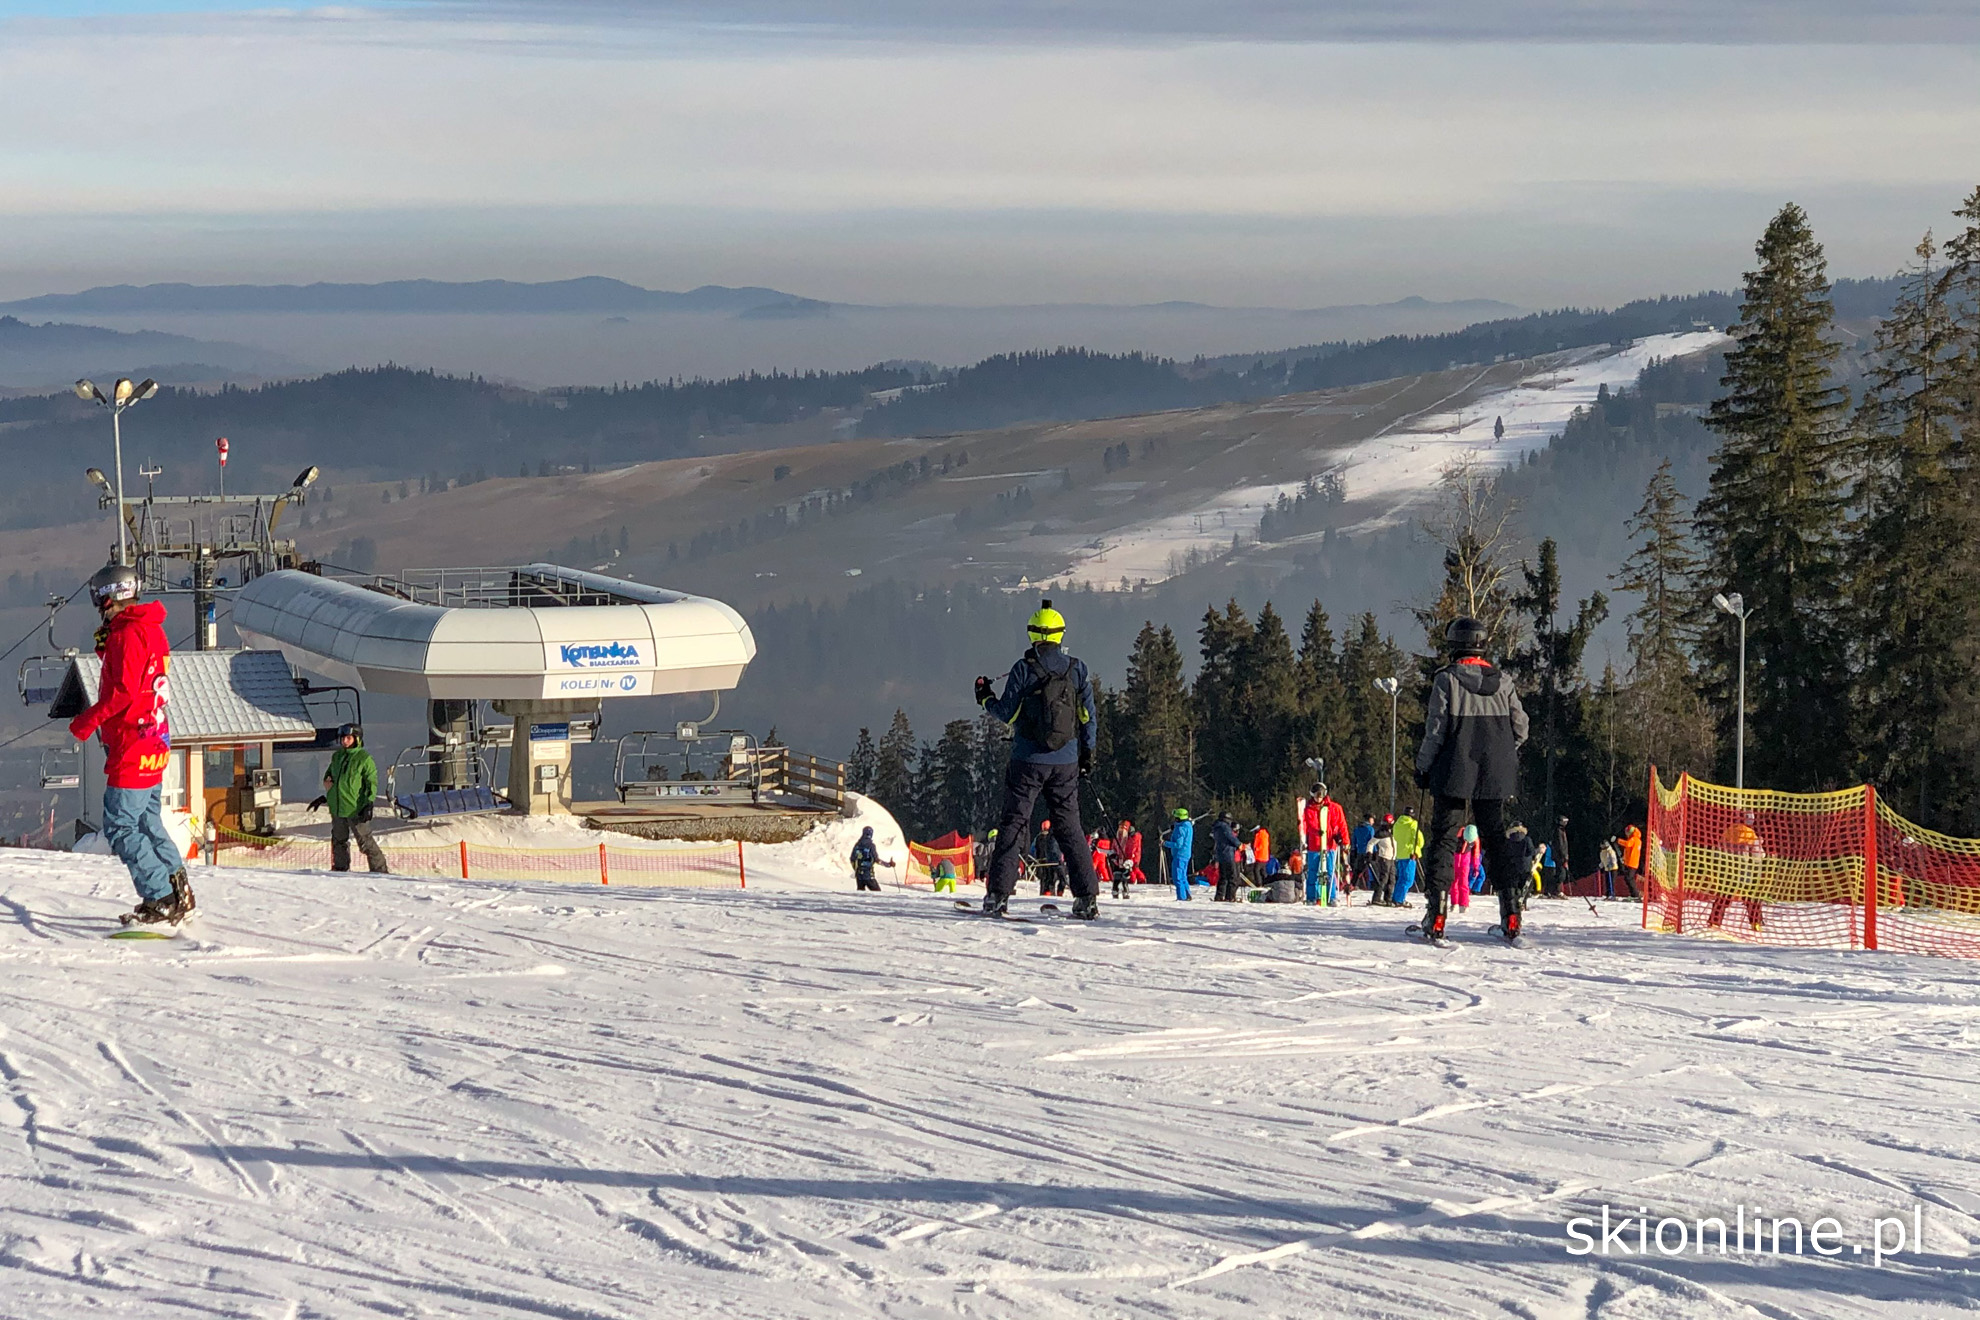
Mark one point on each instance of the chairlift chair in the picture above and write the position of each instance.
(61, 767)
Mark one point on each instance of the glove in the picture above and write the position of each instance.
(1422, 778)
(1085, 764)
(316, 802)
(983, 690)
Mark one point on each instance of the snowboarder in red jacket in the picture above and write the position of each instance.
(129, 719)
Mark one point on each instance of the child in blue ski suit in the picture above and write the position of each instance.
(1179, 841)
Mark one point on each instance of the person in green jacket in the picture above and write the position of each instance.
(350, 786)
(1409, 852)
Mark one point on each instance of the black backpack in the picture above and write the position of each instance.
(1049, 714)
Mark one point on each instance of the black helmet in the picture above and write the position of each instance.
(1465, 635)
(113, 582)
(349, 731)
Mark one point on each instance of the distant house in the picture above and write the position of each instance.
(227, 711)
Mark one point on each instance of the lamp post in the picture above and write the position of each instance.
(122, 395)
(1391, 686)
(1735, 605)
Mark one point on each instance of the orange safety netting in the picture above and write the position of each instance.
(1768, 867)
(712, 865)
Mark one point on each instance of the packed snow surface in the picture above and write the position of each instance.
(1401, 464)
(358, 1095)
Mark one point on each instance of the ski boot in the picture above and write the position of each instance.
(182, 902)
(1511, 928)
(995, 905)
(1085, 909)
(148, 912)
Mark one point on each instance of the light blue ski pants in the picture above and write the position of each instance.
(136, 833)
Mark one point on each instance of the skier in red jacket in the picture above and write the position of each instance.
(129, 718)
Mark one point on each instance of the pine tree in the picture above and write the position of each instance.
(993, 755)
(1669, 726)
(953, 784)
(1551, 663)
(860, 765)
(1323, 717)
(1960, 727)
(895, 770)
(1914, 585)
(1267, 708)
(1216, 696)
(1366, 656)
(1153, 731)
(1771, 524)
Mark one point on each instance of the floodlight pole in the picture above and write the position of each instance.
(123, 533)
(1392, 686)
(1739, 734)
(1735, 605)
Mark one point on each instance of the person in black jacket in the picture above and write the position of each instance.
(1472, 732)
(1224, 840)
(865, 856)
(1048, 699)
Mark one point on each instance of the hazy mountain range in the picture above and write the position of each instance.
(35, 358)
(596, 331)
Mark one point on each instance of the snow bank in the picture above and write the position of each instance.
(820, 859)
(378, 1095)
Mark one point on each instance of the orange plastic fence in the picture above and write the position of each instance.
(708, 865)
(1839, 869)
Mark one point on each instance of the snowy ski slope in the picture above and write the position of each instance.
(342, 1096)
(1401, 465)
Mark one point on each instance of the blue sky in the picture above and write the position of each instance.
(1256, 151)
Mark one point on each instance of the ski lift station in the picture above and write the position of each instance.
(544, 645)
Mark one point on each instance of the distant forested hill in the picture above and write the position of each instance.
(1066, 384)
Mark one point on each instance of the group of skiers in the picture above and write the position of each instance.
(130, 717)
(1468, 762)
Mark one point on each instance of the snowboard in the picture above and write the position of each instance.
(1416, 932)
(142, 933)
(974, 910)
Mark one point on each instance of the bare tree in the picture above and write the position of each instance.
(1474, 526)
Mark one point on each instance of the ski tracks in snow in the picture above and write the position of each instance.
(462, 1099)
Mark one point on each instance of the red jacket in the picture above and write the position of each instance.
(1325, 825)
(129, 714)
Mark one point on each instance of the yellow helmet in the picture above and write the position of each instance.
(1047, 625)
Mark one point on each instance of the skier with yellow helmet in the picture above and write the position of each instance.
(1048, 701)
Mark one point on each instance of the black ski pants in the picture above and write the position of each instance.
(1025, 782)
(1446, 830)
(345, 828)
(866, 879)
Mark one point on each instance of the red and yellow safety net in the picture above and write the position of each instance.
(1837, 869)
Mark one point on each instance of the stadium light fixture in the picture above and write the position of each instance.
(122, 395)
(307, 477)
(1734, 603)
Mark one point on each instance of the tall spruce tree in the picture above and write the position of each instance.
(859, 767)
(1771, 525)
(1322, 712)
(1960, 728)
(1669, 726)
(1153, 736)
(1551, 664)
(1915, 581)
(1267, 710)
(1221, 740)
(895, 772)
(993, 758)
(952, 787)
